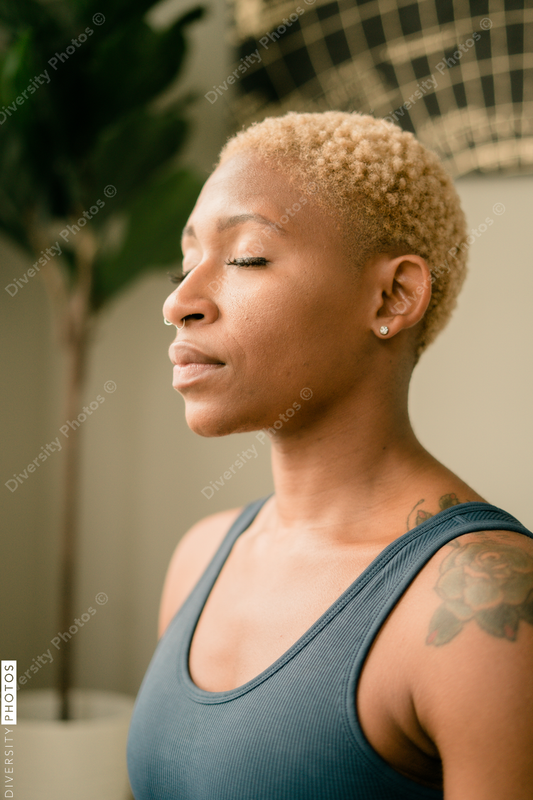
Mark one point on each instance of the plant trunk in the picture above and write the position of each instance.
(76, 339)
(76, 357)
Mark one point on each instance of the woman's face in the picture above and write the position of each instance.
(270, 300)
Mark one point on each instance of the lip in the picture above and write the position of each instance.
(182, 353)
(191, 364)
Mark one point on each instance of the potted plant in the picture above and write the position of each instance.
(90, 189)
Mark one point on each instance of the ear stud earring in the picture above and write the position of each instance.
(384, 330)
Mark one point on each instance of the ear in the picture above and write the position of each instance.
(404, 284)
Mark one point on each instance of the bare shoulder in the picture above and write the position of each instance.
(484, 578)
(190, 559)
(473, 594)
(472, 662)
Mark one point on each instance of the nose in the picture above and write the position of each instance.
(193, 299)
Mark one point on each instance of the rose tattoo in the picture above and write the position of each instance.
(490, 582)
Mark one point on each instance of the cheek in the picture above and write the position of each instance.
(270, 351)
(268, 302)
(295, 320)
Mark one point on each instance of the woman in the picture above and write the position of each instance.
(366, 631)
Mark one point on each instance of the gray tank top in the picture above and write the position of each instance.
(292, 732)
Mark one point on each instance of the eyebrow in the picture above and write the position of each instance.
(239, 219)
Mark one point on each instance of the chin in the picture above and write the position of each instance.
(211, 423)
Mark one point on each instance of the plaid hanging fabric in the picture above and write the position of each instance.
(457, 73)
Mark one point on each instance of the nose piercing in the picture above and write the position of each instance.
(177, 328)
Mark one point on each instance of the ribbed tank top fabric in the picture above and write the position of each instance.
(292, 732)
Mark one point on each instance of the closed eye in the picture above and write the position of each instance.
(247, 261)
(176, 277)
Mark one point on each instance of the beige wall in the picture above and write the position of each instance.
(144, 470)
(471, 392)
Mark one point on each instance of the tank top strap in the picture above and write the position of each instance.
(394, 570)
(397, 565)
(421, 543)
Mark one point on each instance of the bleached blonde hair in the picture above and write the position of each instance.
(388, 192)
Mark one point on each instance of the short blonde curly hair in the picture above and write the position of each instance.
(389, 192)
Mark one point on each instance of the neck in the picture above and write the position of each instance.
(358, 463)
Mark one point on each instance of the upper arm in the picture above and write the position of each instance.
(189, 561)
(475, 685)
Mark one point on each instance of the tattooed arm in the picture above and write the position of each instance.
(486, 581)
(477, 674)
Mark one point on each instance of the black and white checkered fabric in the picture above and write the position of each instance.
(458, 73)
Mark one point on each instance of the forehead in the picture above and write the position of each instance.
(247, 175)
(246, 186)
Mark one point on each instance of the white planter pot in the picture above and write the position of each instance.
(81, 759)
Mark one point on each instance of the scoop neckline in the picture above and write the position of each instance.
(205, 696)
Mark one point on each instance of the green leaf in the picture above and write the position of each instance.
(501, 621)
(16, 14)
(135, 147)
(18, 68)
(133, 64)
(155, 223)
(444, 626)
(64, 144)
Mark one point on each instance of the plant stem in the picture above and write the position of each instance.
(76, 343)
(76, 353)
